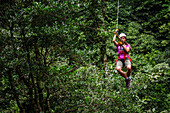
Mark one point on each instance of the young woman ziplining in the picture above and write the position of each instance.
(123, 57)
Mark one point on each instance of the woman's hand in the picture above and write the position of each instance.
(127, 49)
(116, 31)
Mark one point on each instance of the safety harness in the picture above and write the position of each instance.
(125, 56)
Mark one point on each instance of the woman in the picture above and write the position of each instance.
(123, 58)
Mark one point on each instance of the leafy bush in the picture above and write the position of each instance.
(86, 90)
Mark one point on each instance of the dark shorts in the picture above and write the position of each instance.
(121, 62)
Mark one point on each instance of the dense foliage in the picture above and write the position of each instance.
(58, 56)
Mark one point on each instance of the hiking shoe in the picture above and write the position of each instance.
(128, 81)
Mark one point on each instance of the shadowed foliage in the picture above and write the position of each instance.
(58, 56)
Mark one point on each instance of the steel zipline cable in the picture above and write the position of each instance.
(117, 15)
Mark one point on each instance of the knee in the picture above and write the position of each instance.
(128, 67)
(118, 68)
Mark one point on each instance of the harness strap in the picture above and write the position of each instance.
(117, 60)
(125, 56)
(129, 59)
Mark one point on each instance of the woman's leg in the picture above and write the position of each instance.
(128, 67)
(128, 70)
(119, 69)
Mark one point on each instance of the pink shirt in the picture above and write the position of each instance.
(121, 49)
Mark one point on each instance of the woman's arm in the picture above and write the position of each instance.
(114, 40)
(127, 49)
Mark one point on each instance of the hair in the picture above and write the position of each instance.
(125, 37)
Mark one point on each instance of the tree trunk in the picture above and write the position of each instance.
(103, 47)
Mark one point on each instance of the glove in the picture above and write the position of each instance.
(116, 31)
(120, 43)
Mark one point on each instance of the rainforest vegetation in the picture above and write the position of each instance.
(57, 56)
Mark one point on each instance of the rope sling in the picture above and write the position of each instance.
(117, 26)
